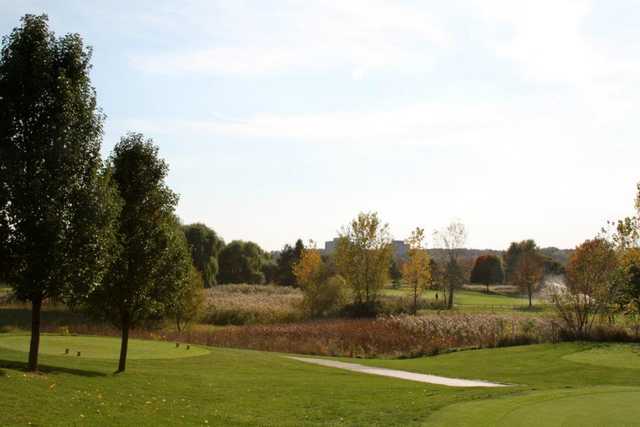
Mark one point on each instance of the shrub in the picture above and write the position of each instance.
(323, 294)
(187, 306)
(327, 298)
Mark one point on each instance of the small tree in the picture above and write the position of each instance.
(528, 273)
(289, 256)
(487, 270)
(452, 239)
(590, 274)
(56, 214)
(362, 256)
(154, 261)
(187, 305)
(417, 270)
(322, 294)
(205, 246)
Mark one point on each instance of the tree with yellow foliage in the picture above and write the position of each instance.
(322, 294)
(363, 255)
(416, 272)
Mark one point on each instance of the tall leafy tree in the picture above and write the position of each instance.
(363, 255)
(528, 273)
(289, 256)
(241, 262)
(512, 255)
(153, 263)
(487, 270)
(525, 266)
(55, 206)
(205, 247)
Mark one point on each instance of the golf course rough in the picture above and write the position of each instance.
(101, 347)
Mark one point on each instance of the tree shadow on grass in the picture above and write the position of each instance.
(47, 369)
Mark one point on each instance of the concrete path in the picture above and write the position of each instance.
(412, 376)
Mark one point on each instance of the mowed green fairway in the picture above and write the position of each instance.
(241, 387)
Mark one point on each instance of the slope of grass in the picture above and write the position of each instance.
(241, 387)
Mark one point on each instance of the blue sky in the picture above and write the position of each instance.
(284, 119)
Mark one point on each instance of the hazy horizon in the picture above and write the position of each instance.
(284, 119)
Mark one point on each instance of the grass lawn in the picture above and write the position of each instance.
(478, 300)
(101, 348)
(240, 387)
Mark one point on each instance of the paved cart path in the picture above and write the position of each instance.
(405, 375)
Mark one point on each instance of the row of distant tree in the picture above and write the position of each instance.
(239, 261)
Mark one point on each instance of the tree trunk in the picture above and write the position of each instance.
(36, 306)
(450, 302)
(124, 344)
(530, 292)
(415, 300)
(487, 285)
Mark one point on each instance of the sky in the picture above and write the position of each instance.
(285, 119)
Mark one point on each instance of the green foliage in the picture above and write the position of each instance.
(269, 268)
(188, 305)
(55, 207)
(511, 257)
(205, 247)
(289, 256)
(153, 262)
(241, 262)
(487, 270)
(363, 255)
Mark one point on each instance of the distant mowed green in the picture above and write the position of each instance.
(589, 406)
(101, 347)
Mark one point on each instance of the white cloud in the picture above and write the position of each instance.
(326, 35)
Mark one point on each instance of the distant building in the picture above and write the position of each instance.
(400, 248)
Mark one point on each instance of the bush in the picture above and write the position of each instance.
(326, 298)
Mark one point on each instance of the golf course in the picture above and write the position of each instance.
(323, 213)
(550, 384)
